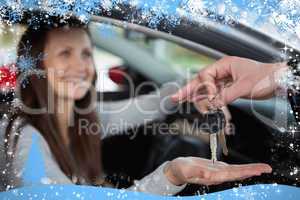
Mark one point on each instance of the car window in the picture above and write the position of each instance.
(104, 61)
(174, 56)
(9, 38)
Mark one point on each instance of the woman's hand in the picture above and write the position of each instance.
(202, 171)
(247, 79)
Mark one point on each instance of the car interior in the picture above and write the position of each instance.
(255, 140)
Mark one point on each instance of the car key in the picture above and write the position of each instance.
(222, 138)
(213, 147)
(216, 123)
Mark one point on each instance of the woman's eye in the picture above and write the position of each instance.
(65, 53)
(87, 54)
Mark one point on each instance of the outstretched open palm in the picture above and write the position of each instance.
(202, 171)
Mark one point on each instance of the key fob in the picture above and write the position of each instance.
(215, 120)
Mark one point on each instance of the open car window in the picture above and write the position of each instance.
(115, 43)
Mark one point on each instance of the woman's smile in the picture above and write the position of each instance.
(75, 79)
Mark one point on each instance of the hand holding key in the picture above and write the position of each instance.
(248, 79)
(243, 75)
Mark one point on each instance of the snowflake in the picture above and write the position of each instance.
(26, 62)
(106, 4)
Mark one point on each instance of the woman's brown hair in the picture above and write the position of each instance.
(82, 161)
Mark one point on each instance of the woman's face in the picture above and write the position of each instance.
(69, 62)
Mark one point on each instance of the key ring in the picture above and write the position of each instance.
(212, 104)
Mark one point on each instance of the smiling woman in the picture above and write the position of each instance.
(65, 61)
